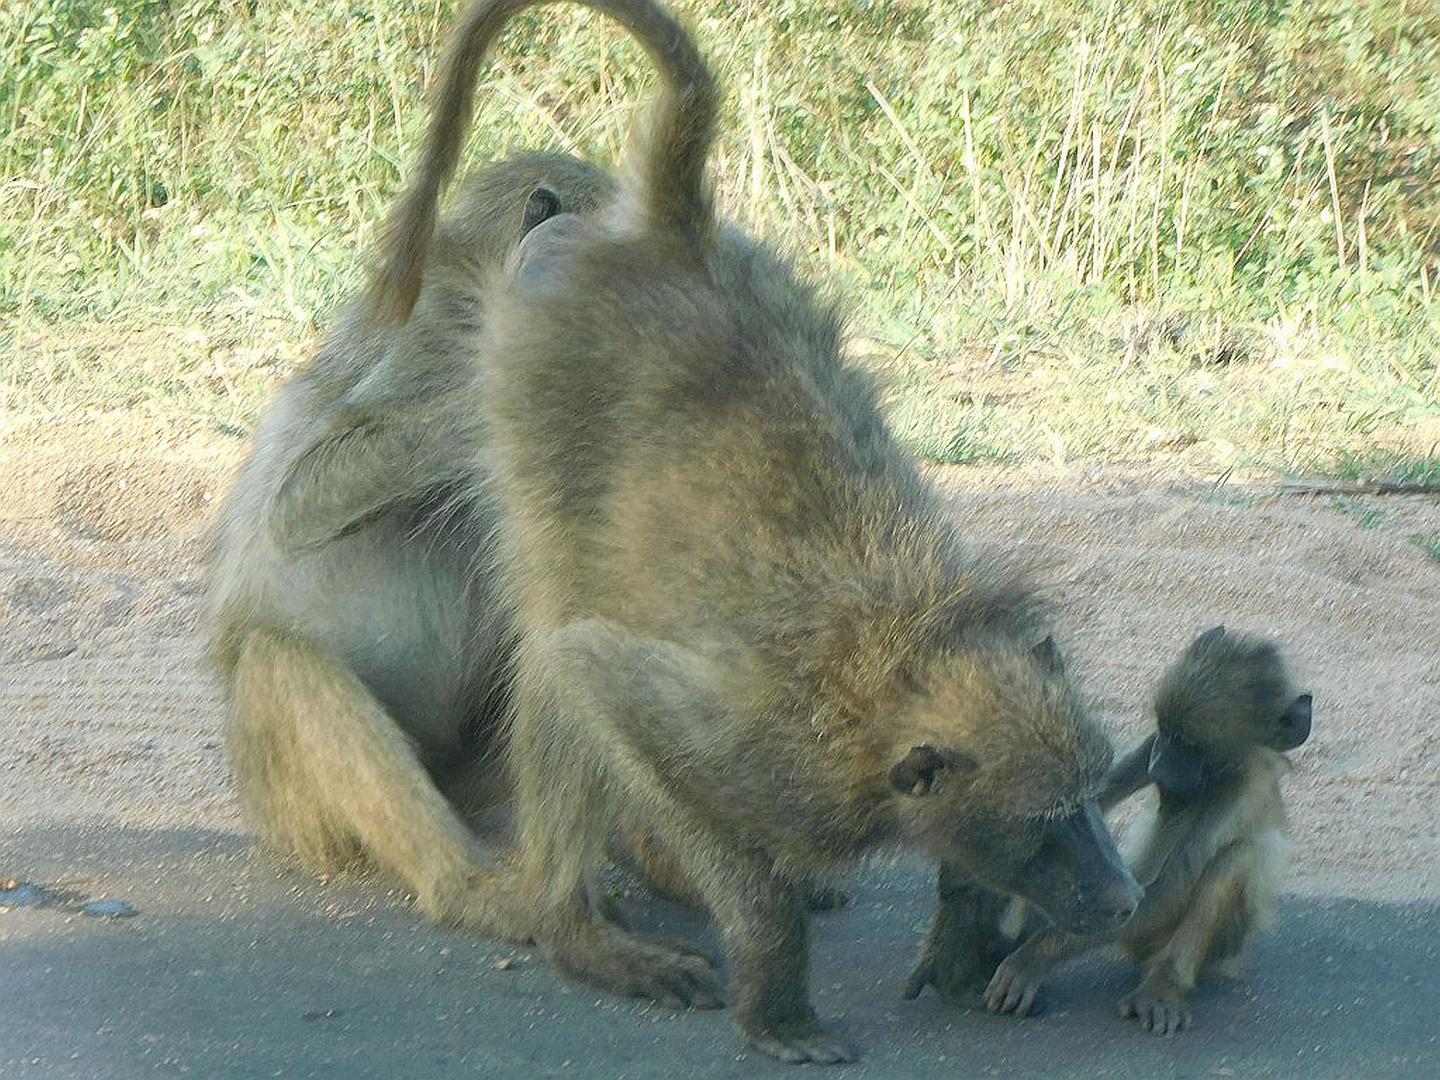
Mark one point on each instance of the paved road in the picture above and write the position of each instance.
(235, 967)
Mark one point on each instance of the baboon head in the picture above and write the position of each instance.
(997, 776)
(1226, 695)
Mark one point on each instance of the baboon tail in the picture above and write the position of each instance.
(676, 195)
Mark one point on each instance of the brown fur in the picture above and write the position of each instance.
(1212, 855)
(356, 624)
(745, 626)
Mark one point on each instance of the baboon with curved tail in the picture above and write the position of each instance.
(744, 624)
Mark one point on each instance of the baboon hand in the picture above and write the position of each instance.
(800, 1042)
(1161, 1011)
(1014, 986)
(615, 960)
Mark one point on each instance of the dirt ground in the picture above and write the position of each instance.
(110, 718)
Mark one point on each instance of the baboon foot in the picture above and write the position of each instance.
(799, 1041)
(1160, 1010)
(482, 903)
(610, 958)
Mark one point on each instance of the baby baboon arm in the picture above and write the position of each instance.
(1018, 979)
(1127, 776)
(1216, 901)
(965, 942)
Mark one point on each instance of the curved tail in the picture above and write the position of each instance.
(675, 194)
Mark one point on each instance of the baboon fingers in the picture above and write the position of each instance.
(1159, 1015)
(802, 1042)
(603, 955)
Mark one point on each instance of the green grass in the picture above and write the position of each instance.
(1067, 229)
(1428, 543)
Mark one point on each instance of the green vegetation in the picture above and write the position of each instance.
(1066, 228)
(1428, 543)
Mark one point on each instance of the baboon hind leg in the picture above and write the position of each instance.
(329, 775)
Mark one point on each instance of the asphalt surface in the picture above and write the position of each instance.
(233, 966)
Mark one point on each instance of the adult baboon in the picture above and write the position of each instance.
(745, 625)
(1212, 855)
(357, 627)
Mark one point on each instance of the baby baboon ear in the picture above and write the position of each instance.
(1048, 655)
(1293, 727)
(919, 771)
(542, 205)
(1209, 637)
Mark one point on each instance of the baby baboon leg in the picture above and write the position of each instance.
(1170, 973)
(325, 769)
(1018, 979)
(363, 463)
(965, 942)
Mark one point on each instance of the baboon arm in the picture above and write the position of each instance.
(659, 702)
(657, 698)
(359, 467)
(1127, 776)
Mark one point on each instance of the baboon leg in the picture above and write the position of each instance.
(329, 774)
(564, 777)
(655, 706)
(1018, 979)
(965, 942)
(1216, 905)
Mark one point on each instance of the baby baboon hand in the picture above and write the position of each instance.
(799, 1041)
(1014, 986)
(1160, 1011)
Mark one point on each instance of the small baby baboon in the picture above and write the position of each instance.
(356, 624)
(1212, 856)
(745, 625)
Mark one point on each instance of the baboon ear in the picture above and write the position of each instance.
(920, 771)
(1048, 655)
(1293, 727)
(545, 248)
(1210, 637)
(542, 205)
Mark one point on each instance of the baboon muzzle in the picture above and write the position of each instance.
(1080, 881)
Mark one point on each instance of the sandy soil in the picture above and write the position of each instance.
(110, 718)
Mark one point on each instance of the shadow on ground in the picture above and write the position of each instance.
(237, 967)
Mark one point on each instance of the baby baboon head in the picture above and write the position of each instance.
(1226, 695)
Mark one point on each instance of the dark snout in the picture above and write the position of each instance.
(1089, 889)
